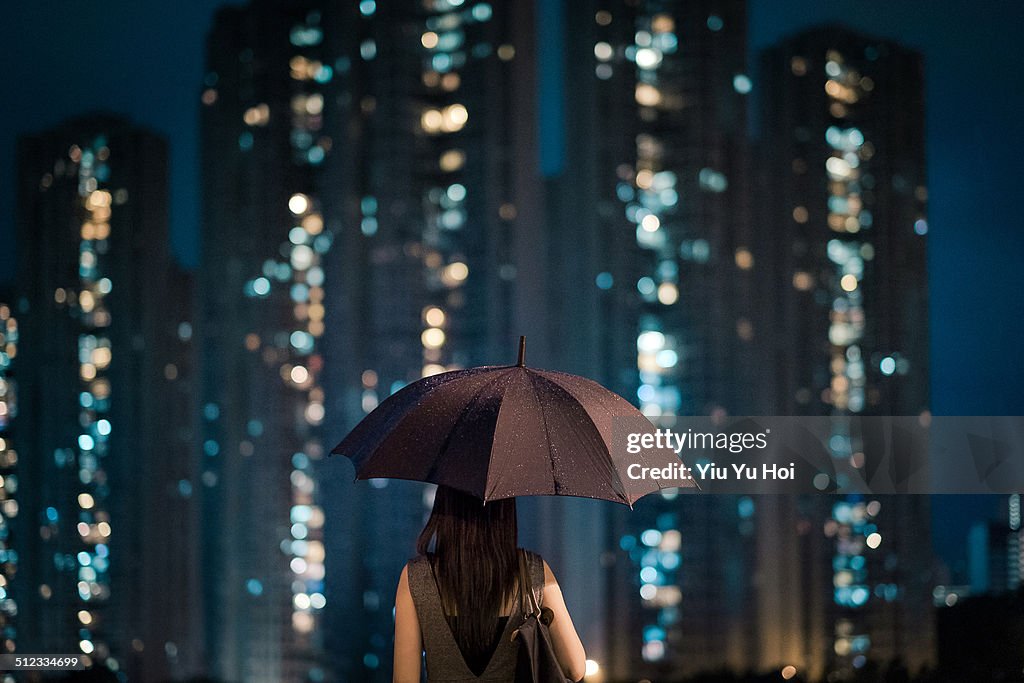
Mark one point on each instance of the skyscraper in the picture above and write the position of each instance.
(656, 138)
(436, 218)
(265, 137)
(91, 424)
(649, 220)
(845, 117)
(844, 302)
(372, 216)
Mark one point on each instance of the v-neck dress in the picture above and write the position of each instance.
(445, 661)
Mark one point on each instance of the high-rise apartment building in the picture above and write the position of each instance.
(844, 305)
(265, 126)
(844, 140)
(435, 204)
(649, 221)
(375, 212)
(91, 425)
(652, 221)
(365, 180)
(719, 327)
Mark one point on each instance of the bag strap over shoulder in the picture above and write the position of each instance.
(527, 597)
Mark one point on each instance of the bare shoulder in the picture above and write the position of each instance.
(413, 565)
(549, 576)
(409, 574)
(403, 579)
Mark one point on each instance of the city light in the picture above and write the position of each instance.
(298, 204)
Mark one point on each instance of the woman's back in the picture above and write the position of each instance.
(451, 605)
(445, 660)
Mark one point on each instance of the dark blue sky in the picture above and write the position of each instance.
(143, 59)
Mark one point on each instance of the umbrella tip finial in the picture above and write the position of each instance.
(522, 352)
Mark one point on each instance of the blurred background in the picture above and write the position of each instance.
(232, 230)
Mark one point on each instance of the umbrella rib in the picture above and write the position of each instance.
(488, 484)
(621, 488)
(547, 433)
(391, 412)
(462, 415)
(553, 377)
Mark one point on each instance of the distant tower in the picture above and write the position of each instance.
(439, 260)
(996, 553)
(844, 133)
(844, 303)
(265, 122)
(369, 216)
(93, 392)
(648, 221)
(654, 200)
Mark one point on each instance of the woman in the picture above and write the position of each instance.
(459, 600)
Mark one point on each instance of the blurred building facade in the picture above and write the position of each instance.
(9, 338)
(404, 229)
(648, 220)
(656, 140)
(171, 637)
(261, 296)
(377, 209)
(409, 135)
(436, 214)
(844, 304)
(995, 553)
(98, 539)
(845, 158)
(823, 312)
(375, 136)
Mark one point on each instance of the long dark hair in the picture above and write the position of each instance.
(472, 547)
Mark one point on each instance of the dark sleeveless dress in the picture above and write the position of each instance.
(445, 661)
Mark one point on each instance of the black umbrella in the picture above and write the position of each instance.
(503, 431)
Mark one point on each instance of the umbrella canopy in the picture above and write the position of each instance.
(503, 431)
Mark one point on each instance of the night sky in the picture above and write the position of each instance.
(144, 59)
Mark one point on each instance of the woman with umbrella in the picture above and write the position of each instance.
(459, 602)
(484, 436)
